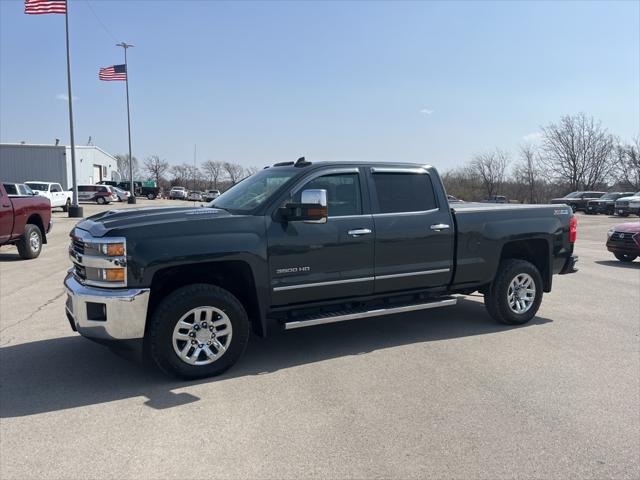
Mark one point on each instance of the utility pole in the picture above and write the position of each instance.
(75, 211)
(125, 46)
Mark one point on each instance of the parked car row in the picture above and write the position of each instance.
(181, 193)
(618, 203)
(142, 189)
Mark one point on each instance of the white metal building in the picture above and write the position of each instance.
(52, 163)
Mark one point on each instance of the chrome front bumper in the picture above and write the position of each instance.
(106, 314)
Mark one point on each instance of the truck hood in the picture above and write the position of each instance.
(100, 224)
(630, 227)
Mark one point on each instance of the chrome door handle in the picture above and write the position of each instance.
(439, 226)
(359, 231)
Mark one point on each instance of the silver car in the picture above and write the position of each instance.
(194, 196)
(122, 195)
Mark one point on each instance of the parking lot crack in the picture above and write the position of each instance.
(38, 310)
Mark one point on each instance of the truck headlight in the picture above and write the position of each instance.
(99, 262)
(112, 274)
(112, 249)
(610, 232)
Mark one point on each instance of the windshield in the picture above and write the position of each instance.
(43, 187)
(572, 195)
(610, 196)
(253, 191)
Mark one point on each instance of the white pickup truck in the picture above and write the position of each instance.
(54, 192)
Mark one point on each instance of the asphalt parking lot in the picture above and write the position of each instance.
(444, 394)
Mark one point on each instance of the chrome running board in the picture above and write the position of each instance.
(345, 315)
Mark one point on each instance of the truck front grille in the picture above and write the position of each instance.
(623, 238)
(78, 246)
(81, 271)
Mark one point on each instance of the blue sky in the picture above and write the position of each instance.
(263, 82)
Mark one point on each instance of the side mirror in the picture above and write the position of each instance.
(311, 209)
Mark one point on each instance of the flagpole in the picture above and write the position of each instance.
(75, 211)
(125, 46)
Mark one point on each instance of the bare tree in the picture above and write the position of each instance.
(234, 171)
(122, 163)
(527, 173)
(490, 168)
(179, 174)
(214, 172)
(578, 151)
(628, 165)
(156, 168)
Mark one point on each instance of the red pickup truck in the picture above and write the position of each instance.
(25, 221)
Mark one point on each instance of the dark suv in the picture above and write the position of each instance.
(606, 203)
(577, 200)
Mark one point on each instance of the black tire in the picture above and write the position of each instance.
(101, 201)
(167, 314)
(625, 257)
(65, 207)
(30, 245)
(151, 196)
(496, 297)
(623, 214)
(574, 208)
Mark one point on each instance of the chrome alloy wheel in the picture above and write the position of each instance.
(34, 241)
(521, 293)
(202, 335)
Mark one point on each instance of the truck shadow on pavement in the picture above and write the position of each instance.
(9, 257)
(70, 372)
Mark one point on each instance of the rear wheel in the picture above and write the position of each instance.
(516, 293)
(30, 245)
(198, 331)
(65, 207)
(151, 196)
(100, 201)
(625, 257)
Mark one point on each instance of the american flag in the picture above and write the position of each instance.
(115, 72)
(38, 7)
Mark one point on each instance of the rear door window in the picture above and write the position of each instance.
(404, 192)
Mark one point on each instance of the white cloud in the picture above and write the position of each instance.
(65, 97)
(426, 111)
(532, 137)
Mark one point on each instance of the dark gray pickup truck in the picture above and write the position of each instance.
(303, 244)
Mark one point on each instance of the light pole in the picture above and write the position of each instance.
(125, 46)
(75, 211)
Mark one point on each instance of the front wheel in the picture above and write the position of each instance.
(151, 196)
(516, 293)
(30, 245)
(625, 257)
(198, 331)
